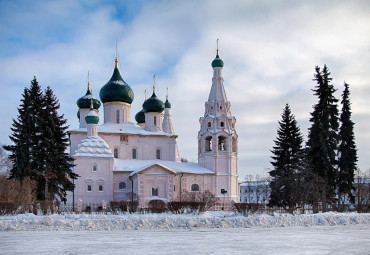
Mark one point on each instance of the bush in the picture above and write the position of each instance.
(157, 206)
(7, 208)
(124, 206)
(246, 208)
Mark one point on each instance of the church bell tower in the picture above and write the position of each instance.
(217, 138)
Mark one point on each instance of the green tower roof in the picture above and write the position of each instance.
(92, 117)
(116, 89)
(140, 117)
(217, 62)
(84, 102)
(153, 104)
(167, 104)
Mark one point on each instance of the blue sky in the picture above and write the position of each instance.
(270, 50)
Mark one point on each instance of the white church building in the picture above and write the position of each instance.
(120, 157)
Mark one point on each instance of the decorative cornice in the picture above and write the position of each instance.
(117, 102)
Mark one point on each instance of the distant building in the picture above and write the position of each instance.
(255, 191)
(119, 157)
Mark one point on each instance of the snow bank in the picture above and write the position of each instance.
(95, 222)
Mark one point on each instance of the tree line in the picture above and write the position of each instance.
(321, 172)
(40, 142)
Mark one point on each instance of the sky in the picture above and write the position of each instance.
(269, 48)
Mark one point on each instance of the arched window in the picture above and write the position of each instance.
(95, 168)
(155, 120)
(195, 187)
(117, 116)
(115, 152)
(155, 192)
(158, 154)
(134, 153)
(122, 185)
(100, 187)
(209, 124)
(88, 187)
(221, 143)
(208, 143)
(222, 124)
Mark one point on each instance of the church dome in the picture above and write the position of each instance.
(217, 62)
(140, 117)
(92, 117)
(153, 104)
(84, 102)
(116, 89)
(167, 104)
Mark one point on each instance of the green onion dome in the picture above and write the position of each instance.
(140, 117)
(153, 104)
(92, 117)
(84, 102)
(167, 104)
(217, 62)
(116, 89)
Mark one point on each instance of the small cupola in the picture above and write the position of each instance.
(84, 102)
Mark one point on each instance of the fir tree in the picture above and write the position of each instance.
(287, 161)
(322, 137)
(56, 162)
(40, 143)
(347, 152)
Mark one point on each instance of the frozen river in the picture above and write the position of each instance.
(351, 239)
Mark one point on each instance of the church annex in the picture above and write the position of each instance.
(121, 157)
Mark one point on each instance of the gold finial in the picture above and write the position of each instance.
(116, 60)
(217, 45)
(167, 94)
(145, 95)
(154, 84)
(91, 104)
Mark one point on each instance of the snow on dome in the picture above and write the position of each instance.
(93, 146)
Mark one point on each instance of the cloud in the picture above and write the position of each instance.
(269, 49)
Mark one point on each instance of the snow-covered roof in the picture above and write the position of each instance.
(135, 166)
(124, 128)
(93, 146)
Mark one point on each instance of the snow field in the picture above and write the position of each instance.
(166, 221)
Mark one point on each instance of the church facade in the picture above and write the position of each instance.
(119, 157)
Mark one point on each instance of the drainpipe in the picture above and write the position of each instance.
(180, 185)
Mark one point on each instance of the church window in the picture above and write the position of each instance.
(95, 168)
(220, 107)
(209, 124)
(195, 187)
(155, 120)
(124, 138)
(115, 152)
(174, 187)
(155, 192)
(158, 154)
(221, 143)
(89, 188)
(122, 185)
(209, 143)
(134, 153)
(222, 124)
(100, 187)
(117, 116)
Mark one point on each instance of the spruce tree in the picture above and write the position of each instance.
(322, 137)
(347, 152)
(287, 162)
(40, 143)
(56, 162)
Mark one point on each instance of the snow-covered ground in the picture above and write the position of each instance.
(210, 233)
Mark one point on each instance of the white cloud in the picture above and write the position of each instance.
(269, 50)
